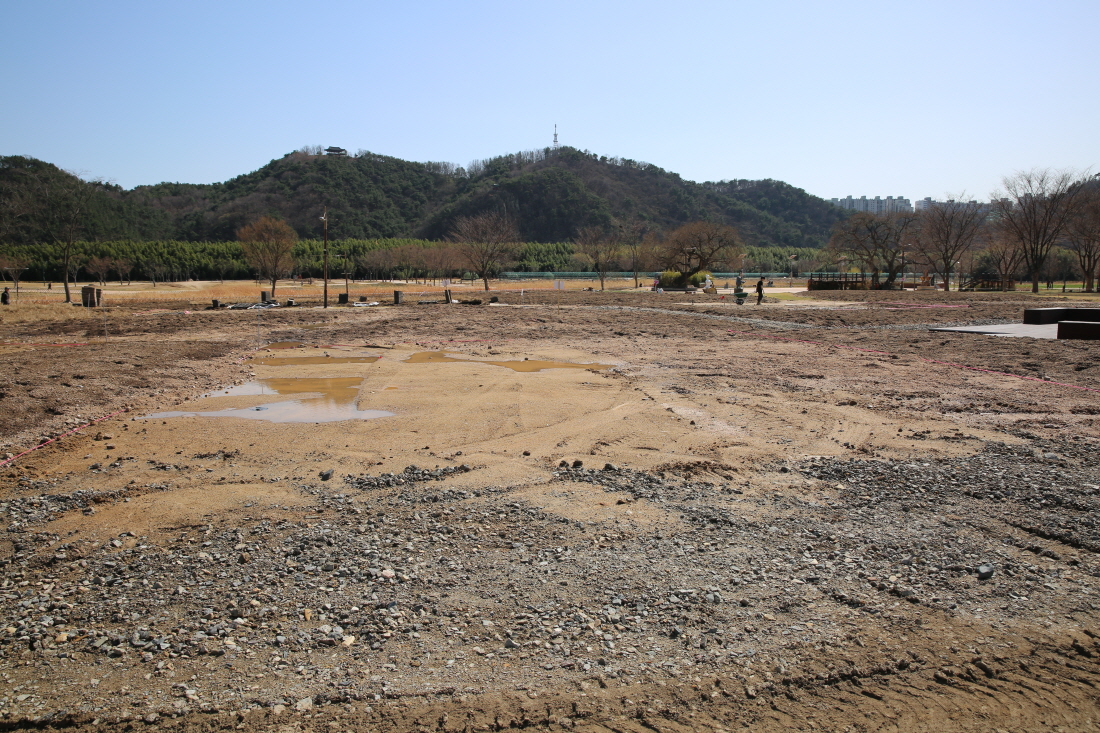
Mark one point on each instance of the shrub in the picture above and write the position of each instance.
(671, 279)
(674, 279)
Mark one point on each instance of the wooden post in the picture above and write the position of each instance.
(324, 218)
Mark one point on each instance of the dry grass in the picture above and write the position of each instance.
(32, 312)
(36, 303)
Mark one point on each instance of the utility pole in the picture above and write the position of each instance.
(324, 218)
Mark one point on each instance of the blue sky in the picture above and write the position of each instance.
(860, 98)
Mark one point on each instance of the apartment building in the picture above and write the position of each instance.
(877, 205)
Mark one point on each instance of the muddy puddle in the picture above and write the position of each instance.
(526, 365)
(314, 400)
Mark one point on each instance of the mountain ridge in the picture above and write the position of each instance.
(551, 193)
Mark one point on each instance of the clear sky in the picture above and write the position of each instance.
(860, 98)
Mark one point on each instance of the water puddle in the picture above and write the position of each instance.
(303, 360)
(527, 365)
(315, 400)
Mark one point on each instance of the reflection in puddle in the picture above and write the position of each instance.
(296, 360)
(527, 365)
(316, 400)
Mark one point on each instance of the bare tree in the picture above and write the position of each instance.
(440, 261)
(267, 244)
(695, 247)
(1006, 255)
(1061, 265)
(63, 203)
(13, 266)
(1034, 209)
(123, 267)
(632, 235)
(73, 265)
(377, 262)
(599, 246)
(156, 269)
(100, 267)
(877, 242)
(1083, 231)
(485, 242)
(947, 230)
(409, 261)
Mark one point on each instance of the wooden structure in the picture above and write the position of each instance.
(837, 281)
(91, 296)
(982, 283)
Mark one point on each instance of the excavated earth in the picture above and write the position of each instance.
(813, 514)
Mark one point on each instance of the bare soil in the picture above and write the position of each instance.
(812, 514)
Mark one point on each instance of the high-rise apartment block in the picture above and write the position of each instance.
(877, 205)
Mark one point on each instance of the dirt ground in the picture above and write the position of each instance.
(580, 510)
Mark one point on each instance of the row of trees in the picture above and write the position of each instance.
(401, 259)
(485, 243)
(1037, 211)
(1017, 231)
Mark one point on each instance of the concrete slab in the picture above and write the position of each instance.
(1028, 330)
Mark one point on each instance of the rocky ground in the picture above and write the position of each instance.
(807, 515)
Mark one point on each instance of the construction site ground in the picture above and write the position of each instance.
(621, 511)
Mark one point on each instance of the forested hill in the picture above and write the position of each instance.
(554, 192)
(551, 193)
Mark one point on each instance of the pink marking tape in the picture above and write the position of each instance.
(921, 305)
(456, 341)
(59, 437)
(921, 358)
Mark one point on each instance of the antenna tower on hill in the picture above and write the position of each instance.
(555, 136)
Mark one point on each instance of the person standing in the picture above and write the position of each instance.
(5, 297)
(760, 290)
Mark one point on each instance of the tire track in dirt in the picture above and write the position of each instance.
(1053, 685)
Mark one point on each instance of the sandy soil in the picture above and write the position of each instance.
(774, 518)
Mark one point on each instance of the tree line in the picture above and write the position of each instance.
(1043, 221)
(480, 246)
(1042, 224)
(485, 244)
